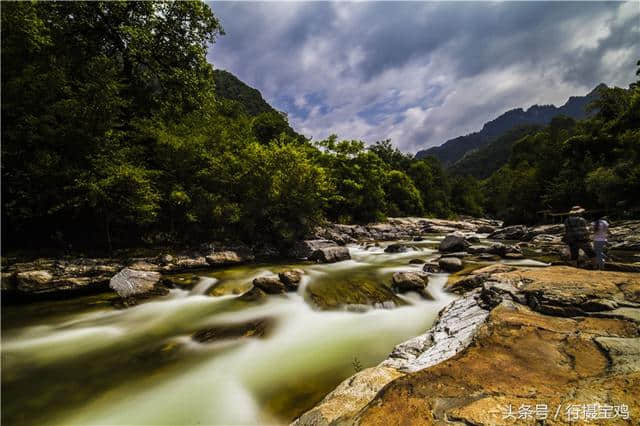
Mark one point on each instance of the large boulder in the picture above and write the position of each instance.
(131, 282)
(450, 264)
(304, 249)
(270, 285)
(409, 281)
(330, 254)
(453, 242)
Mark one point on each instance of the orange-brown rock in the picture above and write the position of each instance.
(519, 357)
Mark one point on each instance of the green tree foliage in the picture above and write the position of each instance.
(593, 163)
(113, 134)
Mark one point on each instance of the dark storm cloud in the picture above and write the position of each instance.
(422, 72)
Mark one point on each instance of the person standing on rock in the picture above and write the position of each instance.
(576, 235)
(600, 232)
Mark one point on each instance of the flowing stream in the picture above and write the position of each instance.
(83, 362)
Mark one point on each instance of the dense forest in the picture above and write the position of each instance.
(117, 132)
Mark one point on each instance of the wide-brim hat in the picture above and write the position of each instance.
(576, 210)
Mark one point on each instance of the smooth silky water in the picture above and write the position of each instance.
(87, 363)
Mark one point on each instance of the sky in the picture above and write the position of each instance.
(420, 73)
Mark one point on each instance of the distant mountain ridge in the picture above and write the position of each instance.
(454, 149)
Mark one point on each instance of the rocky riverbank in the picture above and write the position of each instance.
(69, 275)
(558, 338)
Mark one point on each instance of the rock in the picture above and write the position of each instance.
(433, 268)
(183, 263)
(541, 358)
(141, 265)
(33, 281)
(409, 281)
(458, 254)
(473, 239)
(330, 255)
(450, 264)
(291, 278)
(304, 249)
(467, 283)
(515, 232)
(514, 256)
(497, 249)
(8, 281)
(485, 229)
(270, 285)
(350, 288)
(494, 269)
(566, 291)
(622, 267)
(453, 242)
(396, 248)
(130, 282)
(546, 239)
(543, 230)
(487, 256)
(349, 397)
(165, 259)
(476, 249)
(416, 262)
(623, 353)
(256, 328)
(451, 334)
(226, 257)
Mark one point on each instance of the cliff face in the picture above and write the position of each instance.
(511, 363)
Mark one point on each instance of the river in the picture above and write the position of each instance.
(83, 362)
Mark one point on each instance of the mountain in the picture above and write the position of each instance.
(482, 162)
(228, 86)
(454, 149)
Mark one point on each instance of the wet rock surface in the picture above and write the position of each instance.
(270, 285)
(330, 255)
(409, 281)
(556, 336)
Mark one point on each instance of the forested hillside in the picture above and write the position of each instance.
(115, 135)
(482, 162)
(454, 149)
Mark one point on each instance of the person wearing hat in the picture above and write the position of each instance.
(576, 235)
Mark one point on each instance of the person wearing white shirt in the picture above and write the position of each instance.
(600, 234)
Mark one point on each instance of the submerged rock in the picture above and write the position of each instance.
(256, 328)
(330, 255)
